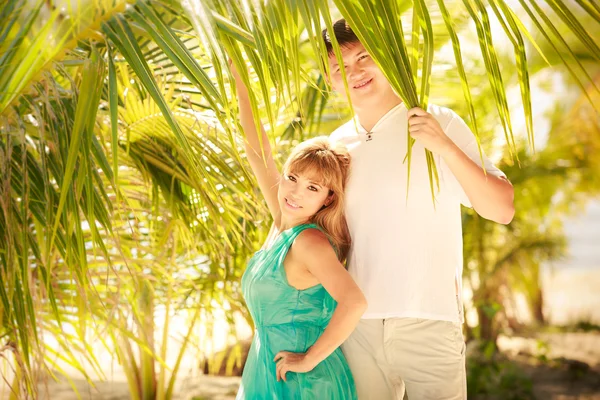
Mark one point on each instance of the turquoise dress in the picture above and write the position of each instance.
(288, 319)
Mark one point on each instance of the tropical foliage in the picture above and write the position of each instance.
(124, 198)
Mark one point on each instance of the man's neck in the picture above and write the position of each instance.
(369, 116)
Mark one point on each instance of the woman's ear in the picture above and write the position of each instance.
(329, 200)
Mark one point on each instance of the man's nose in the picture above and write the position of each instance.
(354, 72)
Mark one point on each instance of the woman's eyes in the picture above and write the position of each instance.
(363, 57)
(311, 187)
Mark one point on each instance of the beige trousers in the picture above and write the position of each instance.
(397, 357)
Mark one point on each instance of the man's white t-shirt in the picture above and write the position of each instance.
(406, 254)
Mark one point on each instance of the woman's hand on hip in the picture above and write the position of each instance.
(292, 362)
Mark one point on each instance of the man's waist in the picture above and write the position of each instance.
(451, 316)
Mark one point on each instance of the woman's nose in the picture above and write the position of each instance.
(296, 192)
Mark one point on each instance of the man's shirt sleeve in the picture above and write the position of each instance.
(461, 135)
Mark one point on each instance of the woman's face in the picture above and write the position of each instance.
(301, 196)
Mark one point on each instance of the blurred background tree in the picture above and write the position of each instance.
(126, 203)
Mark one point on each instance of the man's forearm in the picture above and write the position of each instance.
(491, 196)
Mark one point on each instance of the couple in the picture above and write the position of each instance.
(397, 311)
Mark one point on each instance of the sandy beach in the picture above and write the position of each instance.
(552, 380)
(571, 297)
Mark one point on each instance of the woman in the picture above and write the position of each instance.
(303, 301)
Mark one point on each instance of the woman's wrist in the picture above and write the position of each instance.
(311, 358)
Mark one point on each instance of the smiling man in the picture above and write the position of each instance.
(406, 252)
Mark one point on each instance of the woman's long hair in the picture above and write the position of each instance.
(330, 163)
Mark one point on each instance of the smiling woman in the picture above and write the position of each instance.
(298, 189)
(303, 301)
(314, 178)
(118, 153)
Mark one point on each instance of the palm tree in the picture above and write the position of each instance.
(98, 96)
(551, 184)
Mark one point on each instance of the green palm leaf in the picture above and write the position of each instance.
(111, 117)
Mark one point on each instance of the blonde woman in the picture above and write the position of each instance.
(303, 301)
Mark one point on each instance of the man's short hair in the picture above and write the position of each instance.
(343, 33)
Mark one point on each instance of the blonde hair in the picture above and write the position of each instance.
(330, 161)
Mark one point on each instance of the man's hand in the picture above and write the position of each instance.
(491, 196)
(292, 362)
(423, 127)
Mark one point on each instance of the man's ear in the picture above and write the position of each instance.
(327, 69)
(330, 85)
(328, 78)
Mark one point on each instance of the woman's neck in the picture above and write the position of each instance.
(288, 224)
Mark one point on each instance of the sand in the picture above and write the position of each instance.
(562, 365)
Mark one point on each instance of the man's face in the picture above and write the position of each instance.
(366, 82)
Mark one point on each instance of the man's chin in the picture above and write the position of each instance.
(364, 102)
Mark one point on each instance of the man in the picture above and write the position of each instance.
(406, 253)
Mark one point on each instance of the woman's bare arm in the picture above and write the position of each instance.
(314, 250)
(264, 168)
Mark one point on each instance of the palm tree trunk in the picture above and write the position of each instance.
(538, 307)
(147, 360)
